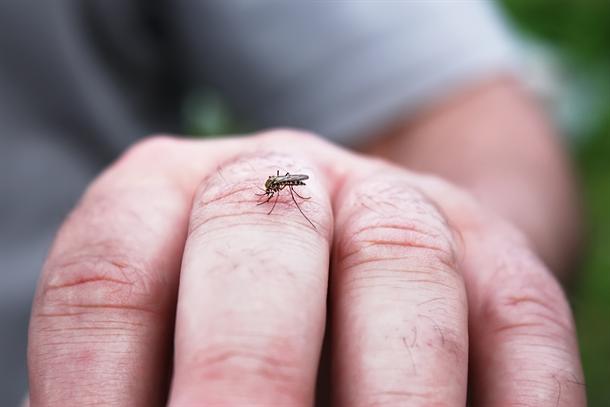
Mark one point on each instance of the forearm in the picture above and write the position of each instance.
(494, 141)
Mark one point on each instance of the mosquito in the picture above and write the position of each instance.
(276, 183)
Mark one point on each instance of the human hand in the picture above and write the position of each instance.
(428, 291)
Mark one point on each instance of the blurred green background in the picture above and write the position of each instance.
(578, 33)
(570, 45)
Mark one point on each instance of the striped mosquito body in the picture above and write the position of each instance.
(276, 183)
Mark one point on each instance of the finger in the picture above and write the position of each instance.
(524, 348)
(101, 323)
(399, 329)
(523, 342)
(251, 308)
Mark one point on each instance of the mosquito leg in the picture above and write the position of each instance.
(299, 195)
(274, 203)
(295, 202)
(268, 199)
(264, 192)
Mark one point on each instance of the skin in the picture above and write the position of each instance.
(494, 141)
(168, 283)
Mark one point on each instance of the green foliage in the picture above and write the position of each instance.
(206, 114)
(579, 27)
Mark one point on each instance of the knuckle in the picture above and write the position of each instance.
(274, 367)
(397, 238)
(99, 284)
(526, 299)
(394, 221)
(232, 194)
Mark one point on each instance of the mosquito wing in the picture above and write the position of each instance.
(291, 178)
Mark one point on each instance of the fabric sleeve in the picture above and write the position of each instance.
(343, 69)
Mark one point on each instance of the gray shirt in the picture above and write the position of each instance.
(80, 80)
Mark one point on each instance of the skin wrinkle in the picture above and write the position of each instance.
(68, 344)
(360, 252)
(60, 314)
(415, 226)
(123, 295)
(423, 229)
(403, 242)
(102, 324)
(84, 280)
(438, 253)
(121, 307)
(542, 321)
(423, 232)
(111, 330)
(548, 315)
(504, 313)
(68, 291)
(213, 363)
(109, 263)
(518, 326)
(355, 284)
(423, 270)
(275, 368)
(538, 292)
